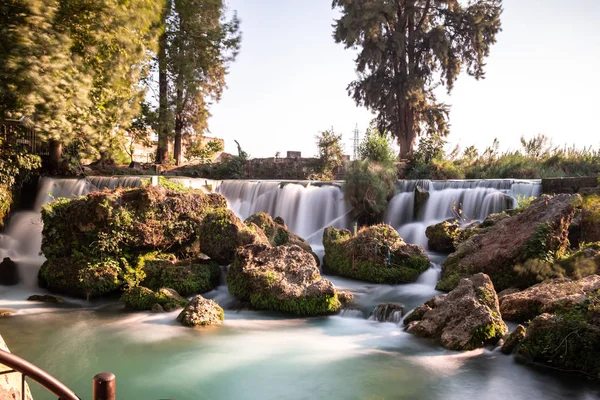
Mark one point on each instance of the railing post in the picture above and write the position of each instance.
(104, 387)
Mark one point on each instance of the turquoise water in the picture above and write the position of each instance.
(257, 355)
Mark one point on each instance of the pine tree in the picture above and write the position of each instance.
(407, 48)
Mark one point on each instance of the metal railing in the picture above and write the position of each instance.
(104, 384)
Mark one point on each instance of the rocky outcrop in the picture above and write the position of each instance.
(539, 232)
(388, 312)
(46, 298)
(568, 341)
(110, 240)
(376, 254)
(141, 298)
(513, 339)
(278, 233)
(9, 272)
(201, 312)
(441, 236)
(466, 318)
(282, 278)
(187, 277)
(10, 384)
(547, 297)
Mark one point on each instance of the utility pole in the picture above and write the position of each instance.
(356, 142)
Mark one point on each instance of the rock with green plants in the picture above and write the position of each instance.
(465, 319)
(568, 339)
(141, 298)
(282, 278)
(441, 236)
(504, 250)
(376, 254)
(155, 235)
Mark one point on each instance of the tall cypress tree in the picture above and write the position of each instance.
(409, 47)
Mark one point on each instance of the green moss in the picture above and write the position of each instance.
(186, 277)
(143, 299)
(306, 306)
(483, 335)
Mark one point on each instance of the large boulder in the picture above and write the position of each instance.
(282, 278)
(466, 318)
(376, 254)
(441, 236)
(277, 232)
(141, 298)
(187, 277)
(547, 297)
(539, 232)
(9, 272)
(201, 312)
(569, 340)
(10, 383)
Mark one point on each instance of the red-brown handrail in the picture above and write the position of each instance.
(27, 369)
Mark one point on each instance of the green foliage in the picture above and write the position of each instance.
(186, 277)
(143, 299)
(407, 49)
(376, 147)
(198, 150)
(368, 187)
(330, 154)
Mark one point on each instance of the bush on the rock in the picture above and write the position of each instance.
(283, 278)
(376, 254)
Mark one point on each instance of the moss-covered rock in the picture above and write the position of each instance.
(187, 277)
(222, 232)
(141, 298)
(75, 277)
(464, 319)
(282, 278)
(376, 254)
(540, 232)
(568, 340)
(582, 262)
(441, 236)
(278, 233)
(45, 298)
(201, 312)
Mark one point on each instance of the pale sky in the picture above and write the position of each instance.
(289, 81)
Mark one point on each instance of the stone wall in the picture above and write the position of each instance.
(10, 384)
(568, 185)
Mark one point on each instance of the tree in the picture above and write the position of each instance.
(407, 48)
(376, 147)
(199, 45)
(140, 128)
(197, 150)
(330, 153)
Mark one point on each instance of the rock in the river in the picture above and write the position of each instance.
(278, 233)
(539, 232)
(441, 236)
(9, 272)
(10, 384)
(547, 297)
(466, 318)
(6, 312)
(282, 278)
(376, 254)
(187, 277)
(141, 298)
(201, 312)
(388, 312)
(513, 339)
(568, 341)
(45, 298)
(345, 296)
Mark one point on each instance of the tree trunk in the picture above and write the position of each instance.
(55, 152)
(163, 93)
(177, 143)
